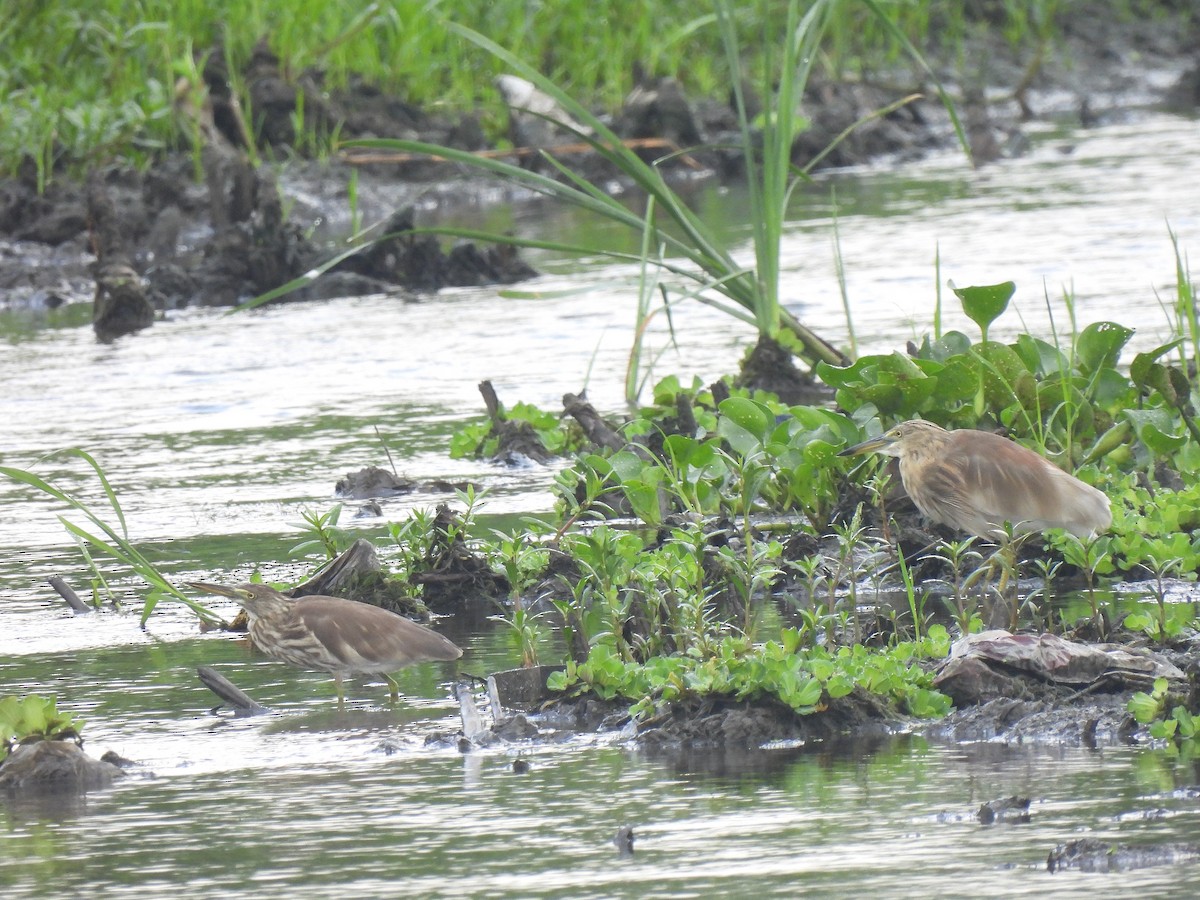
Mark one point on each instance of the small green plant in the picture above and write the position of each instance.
(522, 565)
(850, 537)
(323, 533)
(959, 557)
(414, 539)
(1091, 557)
(1150, 708)
(806, 680)
(916, 601)
(34, 718)
(479, 440)
(1164, 625)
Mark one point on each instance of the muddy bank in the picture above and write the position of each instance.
(1017, 689)
(210, 227)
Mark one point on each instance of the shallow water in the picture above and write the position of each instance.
(218, 431)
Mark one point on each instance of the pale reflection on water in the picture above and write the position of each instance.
(216, 432)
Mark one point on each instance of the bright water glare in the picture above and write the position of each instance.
(217, 431)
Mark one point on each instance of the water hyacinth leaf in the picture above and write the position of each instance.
(887, 398)
(744, 424)
(893, 383)
(1099, 345)
(742, 441)
(782, 436)
(750, 415)
(1153, 428)
(820, 453)
(1041, 357)
(838, 376)
(704, 457)
(1005, 377)
(643, 495)
(915, 392)
(1142, 363)
(984, 304)
(825, 424)
(601, 465)
(862, 371)
(1112, 391)
(679, 450)
(952, 343)
(1113, 438)
(957, 379)
(1169, 381)
(1052, 394)
(625, 464)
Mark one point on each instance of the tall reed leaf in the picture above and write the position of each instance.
(691, 250)
(115, 541)
(705, 259)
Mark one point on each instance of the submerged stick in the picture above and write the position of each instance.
(230, 693)
(65, 591)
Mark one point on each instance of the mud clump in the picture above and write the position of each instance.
(55, 767)
(720, 722)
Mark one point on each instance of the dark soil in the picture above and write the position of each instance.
(1038, 689)
(210, 228)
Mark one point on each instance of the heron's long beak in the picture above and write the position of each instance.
(867, 446)
(219, 589)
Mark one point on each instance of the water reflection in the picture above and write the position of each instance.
(308, 802)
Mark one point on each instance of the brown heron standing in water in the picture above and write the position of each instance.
(975, 481)
(332, 634)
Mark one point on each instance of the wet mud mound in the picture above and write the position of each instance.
(208, 224)
(1046, 689)
(712, 723)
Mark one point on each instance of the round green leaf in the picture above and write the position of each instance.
(985, 303)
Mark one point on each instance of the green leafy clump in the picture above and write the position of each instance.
(482, 440)
(33, 718)
(805, 679)
(1150, 708)
(1118, 429)
(750, 455)
(322, 533)
(1060, 402)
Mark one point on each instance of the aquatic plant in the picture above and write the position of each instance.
(1150, 708)
(34, 718)
(692, 251)
(1163, 626)
(960, 558)
(115, 543)
(522, 564)
(804, 679)
(322, 533)
(479, 440)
